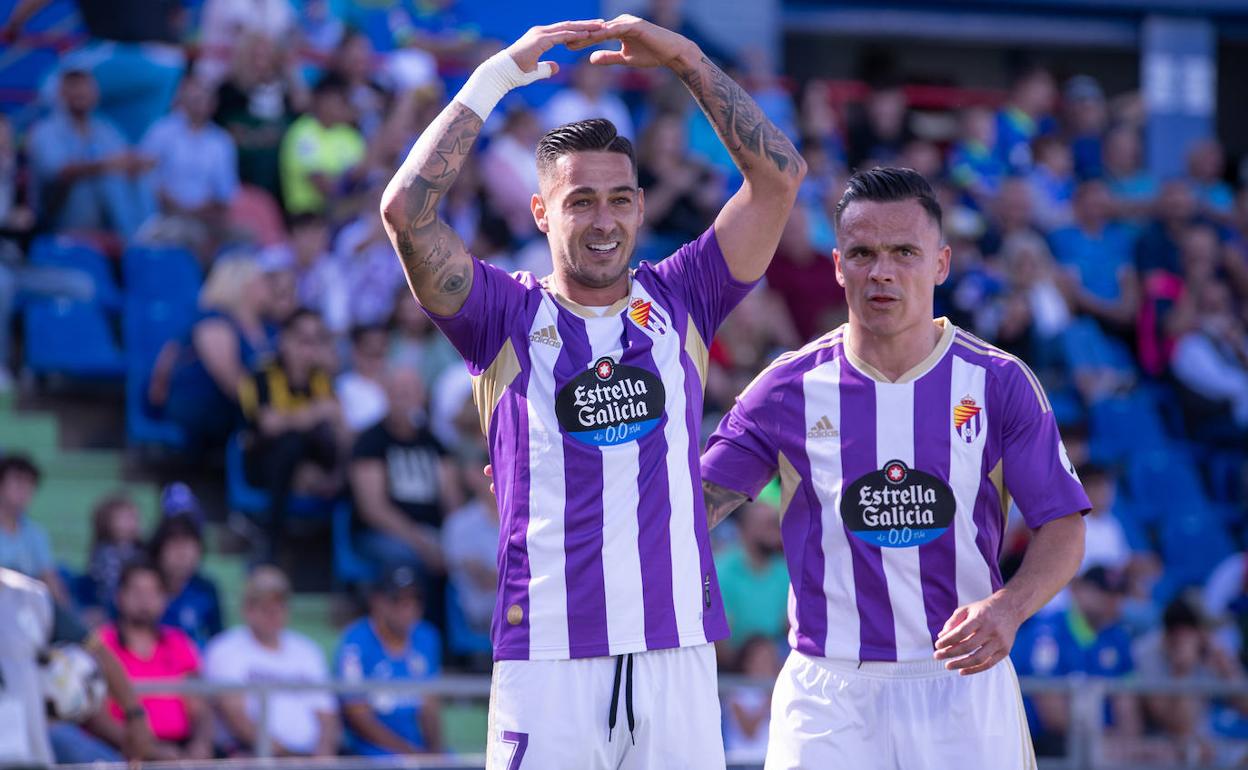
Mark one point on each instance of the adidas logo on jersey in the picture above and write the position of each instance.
(547, 336)
(823, 429)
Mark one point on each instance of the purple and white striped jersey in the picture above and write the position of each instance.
(592, 418)
(893, 494)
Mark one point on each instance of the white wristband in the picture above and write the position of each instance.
(494, 78)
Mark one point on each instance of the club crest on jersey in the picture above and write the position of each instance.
(610, 403)
(898, 506)
(647, 316)
(968, 419)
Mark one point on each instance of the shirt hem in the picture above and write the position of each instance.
(603, 650)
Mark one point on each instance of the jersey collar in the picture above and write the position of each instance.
(918, 370)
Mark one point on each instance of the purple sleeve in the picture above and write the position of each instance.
(1037, 471)
(480, 328)
(740, 455)
(698, 274)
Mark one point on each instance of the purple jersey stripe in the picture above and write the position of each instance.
(801, 531)
(714, 621)
(654, 515)
(513, 553)
(937, 559)
(582, 512)
(878, 640)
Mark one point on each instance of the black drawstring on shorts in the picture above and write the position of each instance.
(628, 698)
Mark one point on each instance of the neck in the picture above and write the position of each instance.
(589, 296)
(388, 640)
(271, 641)
(136, 634)
(1091, 225)
(399, 425)
(893, 355)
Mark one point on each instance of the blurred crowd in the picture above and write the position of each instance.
(253, 140)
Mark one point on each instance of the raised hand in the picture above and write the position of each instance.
(642, 44)
(527, 51)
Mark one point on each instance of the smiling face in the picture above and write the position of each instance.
(890, 260)
(590, 209)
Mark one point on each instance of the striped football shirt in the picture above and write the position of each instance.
(893, 493)
(592, 420)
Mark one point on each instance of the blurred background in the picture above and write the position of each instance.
(209, 357)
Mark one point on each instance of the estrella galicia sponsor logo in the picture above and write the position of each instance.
(610, 404)
(898, 507)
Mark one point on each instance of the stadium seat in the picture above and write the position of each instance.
(161, 272)
(1122, 426)
(64, 251)
(350, 568)
(1163, 483)
(1192, 545)
(145, 327)
(71, 339)
(254, 502)
(462, 638)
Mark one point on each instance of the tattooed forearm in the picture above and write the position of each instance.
(753, 141)
(720, 502)
(434, 259)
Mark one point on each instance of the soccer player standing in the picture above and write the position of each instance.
(898, 440)
(589, 383)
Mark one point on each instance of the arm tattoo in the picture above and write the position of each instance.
(749, 136)
(720, 502)
(426, 245)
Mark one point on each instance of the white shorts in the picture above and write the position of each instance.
(896, 716)
(555, 714)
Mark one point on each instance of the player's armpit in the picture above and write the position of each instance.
(720, 501)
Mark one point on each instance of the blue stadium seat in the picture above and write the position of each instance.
(1163, 483)
(350, 568)
(161, 272)
(253, 501)
(64, 251)
(1120, 427)
(71, 339)
(1192, 545)
(462, 638)
(145, 327)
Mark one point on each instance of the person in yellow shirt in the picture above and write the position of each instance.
(322, 151)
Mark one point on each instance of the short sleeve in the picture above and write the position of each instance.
(221, 662)
(698, 274)
(349, 667)
(40, 551)
(739, 455)
(1037, 471)
(481, 327)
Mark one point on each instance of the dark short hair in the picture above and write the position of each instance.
(298, 315)
(308, 219)
(593, 135)
(331, 83)
(136, 566)
(360, 331)
(179, 525)
(18, 463)
(888, 185)
(1182, 613)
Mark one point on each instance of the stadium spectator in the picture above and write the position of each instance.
(354, 62)
(191, 601)
(317, 284)
(878, 131)
(195, 177)
(116, 539)
(508, 165)
(360, 389)
(1098, 251)
(24, 545)
(1026, 115)
(365, 265)
(592, 95)
(1105, 539)
(195, 381)
(149, 650)
(295, 431)
(322, 152)
(470, 541)
(403, 482)
(225, 22)
(1086, 117)
(431, 27)
(415, 342)
(1211, 355)
(683, 194)
(1086, 638)
(264, 650)
(1157, 249)
(279, 272)
(1036, 312)
(16, 218)
(805, 279)
(392, 643)
(1052, 181)
(747, 708)
(1184, 649)
(84, 174)
(1134, 189)
(973, 163)
(1214, 197)
(256, 103)
(752, 574)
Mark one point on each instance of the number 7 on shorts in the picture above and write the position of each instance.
(520, 742)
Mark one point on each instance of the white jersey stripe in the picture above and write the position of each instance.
(894, 430)
(974, 579)
(548, 590)
(621, 557)
(822, 388)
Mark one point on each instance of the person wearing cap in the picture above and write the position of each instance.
(752, 574)
(1087, 638)
(1087, 118)
(177, 551)
(263, 649)
(391, 643)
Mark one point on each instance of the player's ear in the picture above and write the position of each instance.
(538, 206)
(942, 263)
(641, 205)
(836, 260)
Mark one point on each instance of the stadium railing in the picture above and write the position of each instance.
(1085, 747)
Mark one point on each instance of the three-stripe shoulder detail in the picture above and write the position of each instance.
(976, 345)
(831, 339)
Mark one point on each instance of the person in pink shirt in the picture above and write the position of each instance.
(148, 650)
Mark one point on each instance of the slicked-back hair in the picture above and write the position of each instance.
(593, 135)
(888, 185)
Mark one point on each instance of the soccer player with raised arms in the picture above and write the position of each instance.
(898, 439)
(589, 383)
